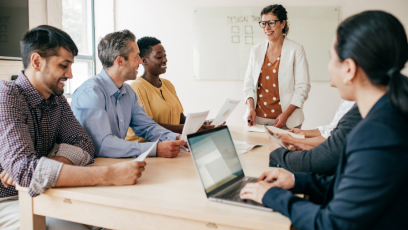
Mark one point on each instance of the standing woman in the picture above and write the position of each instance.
(277, 78)
(370, 187)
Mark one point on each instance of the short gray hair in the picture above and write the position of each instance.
(114, 45)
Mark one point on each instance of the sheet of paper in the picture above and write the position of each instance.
(142, 156)
(256, 128)
(278, 130)
(243, 147)
(225, 111)
(260, 129)
(193, 123)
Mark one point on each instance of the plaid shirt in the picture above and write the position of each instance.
(32, 130)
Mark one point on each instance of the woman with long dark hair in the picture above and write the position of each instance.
(370, 187)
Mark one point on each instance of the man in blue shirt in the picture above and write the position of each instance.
(106, 107)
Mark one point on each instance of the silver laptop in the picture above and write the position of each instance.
(219, 167)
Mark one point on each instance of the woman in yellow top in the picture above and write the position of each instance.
(157, 95)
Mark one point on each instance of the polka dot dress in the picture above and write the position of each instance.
(268, 103)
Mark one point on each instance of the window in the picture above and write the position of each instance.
(78, 22)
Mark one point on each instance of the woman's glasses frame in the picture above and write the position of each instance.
(270, 23)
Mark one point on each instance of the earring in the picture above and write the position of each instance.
(347, 82)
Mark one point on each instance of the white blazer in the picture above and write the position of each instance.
(293, 78)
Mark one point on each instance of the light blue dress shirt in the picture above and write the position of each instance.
(107, 112)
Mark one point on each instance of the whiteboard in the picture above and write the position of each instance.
(223, 38)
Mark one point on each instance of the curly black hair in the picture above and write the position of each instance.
(145, 45)
(280, 12)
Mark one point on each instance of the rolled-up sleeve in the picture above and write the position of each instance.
(76, 155)
(45, 176)
(75, 143)
(302, 78)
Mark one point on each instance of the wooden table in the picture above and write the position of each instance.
(169, 195)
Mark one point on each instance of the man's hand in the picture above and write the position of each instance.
(297, 131)
(62, 160)
(125, 173)
(169, 149)
(6, 179)
(256, 191)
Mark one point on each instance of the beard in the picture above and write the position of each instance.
(52, 83)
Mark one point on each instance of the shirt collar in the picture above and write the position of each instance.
(32, 94)
(110, 85)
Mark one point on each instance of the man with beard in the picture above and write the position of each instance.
(42, 144)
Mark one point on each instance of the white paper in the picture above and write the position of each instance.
(193, 123)
(143, 156)
(260, 129)
(256, 128)
(225, 111)
(243, 147)
(278, 130)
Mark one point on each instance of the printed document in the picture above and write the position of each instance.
(193, 123)
(142, 156)
(225, 112)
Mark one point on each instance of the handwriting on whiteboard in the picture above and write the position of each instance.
(242, 19)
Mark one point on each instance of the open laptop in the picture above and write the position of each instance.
(219, 167)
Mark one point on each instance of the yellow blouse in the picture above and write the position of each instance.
(161, 104)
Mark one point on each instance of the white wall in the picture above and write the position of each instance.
(171, 22)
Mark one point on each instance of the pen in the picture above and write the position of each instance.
(186, 149)
(250, 120)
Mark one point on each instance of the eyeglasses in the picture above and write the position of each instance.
(271, 23)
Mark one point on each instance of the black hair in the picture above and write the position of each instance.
(376, 41)
(145, 45)
(280, 12)
(46, 41)
(114, 45)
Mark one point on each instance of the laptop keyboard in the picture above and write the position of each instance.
(234, 195)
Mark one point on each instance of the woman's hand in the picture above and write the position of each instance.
(283, 118)
(274, 145)
(252, 116)
(255, 191)
(275, 178)
(297, 131)
(287, 138)
(205, 127)
(252, 113)
(300, 147)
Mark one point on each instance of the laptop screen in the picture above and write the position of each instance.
(216, 159)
